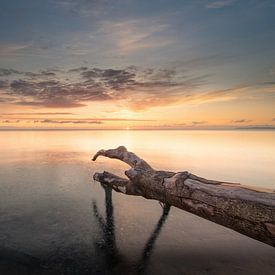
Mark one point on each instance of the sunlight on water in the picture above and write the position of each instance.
(239, 156)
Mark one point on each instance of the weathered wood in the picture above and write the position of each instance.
(243, 209)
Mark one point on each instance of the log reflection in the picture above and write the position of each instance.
(108, 241)
(149, 247)
(113, 261)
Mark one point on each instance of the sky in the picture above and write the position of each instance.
(137, 64)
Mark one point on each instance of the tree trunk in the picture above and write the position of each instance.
(247, 211)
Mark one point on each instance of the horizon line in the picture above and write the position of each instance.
(142, 129)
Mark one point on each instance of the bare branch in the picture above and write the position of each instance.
(117, 183)
(122, 154)
(241, 208)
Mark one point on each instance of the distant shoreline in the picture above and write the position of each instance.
(127, 130)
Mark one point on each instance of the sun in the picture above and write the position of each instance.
(127, 128)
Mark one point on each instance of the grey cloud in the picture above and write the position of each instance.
(135, 79)
(7, 72)
(84, 85)
(46, 73)
(53, 93)
(80, 69)
(30, 74)
(114, 79)
(3, 83)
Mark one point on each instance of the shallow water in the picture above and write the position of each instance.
(54, 219)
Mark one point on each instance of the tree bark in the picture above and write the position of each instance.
(243, 209)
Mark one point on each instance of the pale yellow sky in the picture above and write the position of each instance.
(211, 109)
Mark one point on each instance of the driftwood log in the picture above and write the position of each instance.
(247, 211)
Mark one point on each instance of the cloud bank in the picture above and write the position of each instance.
(138, 88)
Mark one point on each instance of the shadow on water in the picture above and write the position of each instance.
(70, 260)
(149, 247)
(13, 261)
(107, 243)
(115, 263)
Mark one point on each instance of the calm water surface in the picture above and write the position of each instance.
(54, 219)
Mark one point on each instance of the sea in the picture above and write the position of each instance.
(55, 219)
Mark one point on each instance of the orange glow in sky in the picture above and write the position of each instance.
(137, 65)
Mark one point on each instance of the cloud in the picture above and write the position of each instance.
(86, 8)
(185, 95)
(133, 86)
(241, 121)
(43, 73)
(3, 84)
(54, 93)
(10, 121)
(5, 100)
(201, 62)
(68, 121)
(7, 49)
(36, 113)
(57, 103)
(218, 95)
(7, 72)
(257, 127)
(80, 69)
(220, 4)
(199, 122)
(134, 35)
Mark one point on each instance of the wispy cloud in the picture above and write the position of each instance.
(257, 127)
(36, 113)
(52, 121)
(201, 62)
(10, 121)
(220, 4)
(86, 8)
(199, 122)
(6, 49)
(241, 121)
(135, 34)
